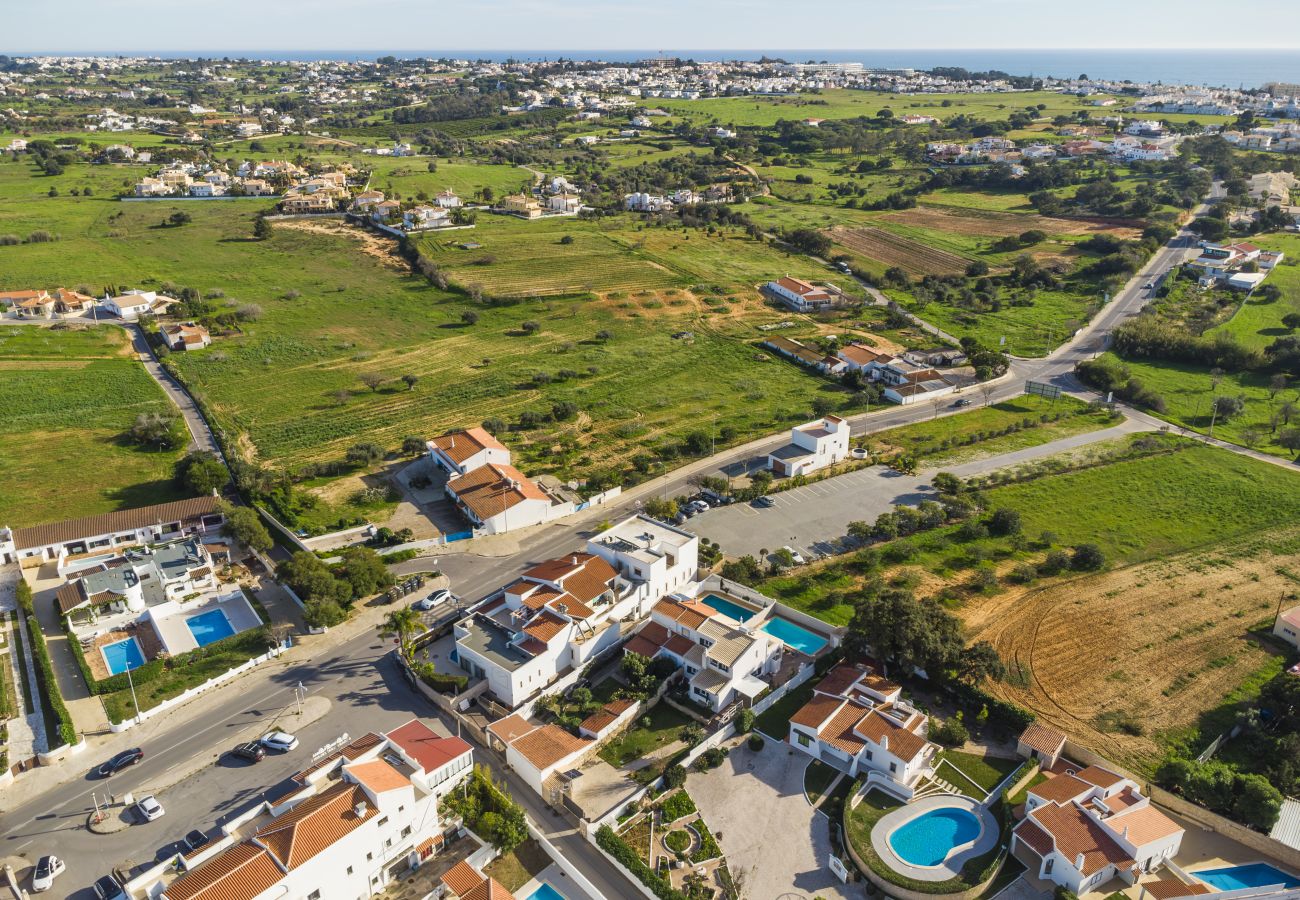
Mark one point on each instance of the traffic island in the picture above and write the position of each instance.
(111, 819)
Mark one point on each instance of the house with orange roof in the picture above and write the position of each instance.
(185, 336)
(537, 753)
(858, 722)
(1287, 626)
(1082, 828)
(458, 452)
(494, 496)
(463, 882)
(1042, 743)
(355, 821)
(802, 296)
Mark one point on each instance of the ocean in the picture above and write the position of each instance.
(1215, 68)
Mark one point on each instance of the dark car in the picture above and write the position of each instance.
(764, 501)
(107, 888)
(195, 839)
(120, 762)
(252, 751)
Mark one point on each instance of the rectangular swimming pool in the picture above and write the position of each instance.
(545, 892)
(209, 626)
(795, 636)
(728, 608)
(122, 655)
(1254, 875)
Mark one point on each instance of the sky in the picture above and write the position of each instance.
(672, 25)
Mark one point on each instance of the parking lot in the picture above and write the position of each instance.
(805, 518)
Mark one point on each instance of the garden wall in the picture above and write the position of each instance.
(901, 893)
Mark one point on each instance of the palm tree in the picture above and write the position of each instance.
(403, 624)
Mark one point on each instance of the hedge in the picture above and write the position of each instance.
(1003, 716)
(58, 721)
(616, 847)
(114, 683)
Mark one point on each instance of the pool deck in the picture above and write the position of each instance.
(950, 867)
(555, 877)
(175, 632)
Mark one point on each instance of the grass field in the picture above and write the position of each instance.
(1042, 321)
(1258, 323)
(69, 398)
(663, 730)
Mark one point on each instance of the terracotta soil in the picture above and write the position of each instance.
(890, 249)
(1002, 224)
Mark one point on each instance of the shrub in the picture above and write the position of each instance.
(1087, 558)
(756, 742)
(58, 721)
(745, 721)
(952, 732)
(674, 776)
(1054, 563)
(617, 848)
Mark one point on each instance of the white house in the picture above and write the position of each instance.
(185, 336)
(564, 203)
(812, 446)
(131, 305)
(536, 753)
(858, 721)
(656, 558)
(352, 823)
(800, 295)
(128, 527)
(419, 218)
(1039, 742)
(497, 498)
(1083, 828)
(207, 189)
(457, 452)
(128, 582)
(446, 200)
(1287, 626)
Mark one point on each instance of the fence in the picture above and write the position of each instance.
(805, 672)
(185, 697)
(275, 523)
(1218, 742)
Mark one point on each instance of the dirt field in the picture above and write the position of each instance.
(1161, 642)
(1001, 224)
(910, 256)
(383, 249)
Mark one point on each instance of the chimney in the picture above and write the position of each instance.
(884, 742)
(1078, 862)
(360, 809)
(573, 560)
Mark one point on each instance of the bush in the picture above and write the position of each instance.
(756, 742)
(745, 721)
(441, 682)
(1087, 558)
(952, 732)
(1054, 563)
(58, 721)
(674, 776)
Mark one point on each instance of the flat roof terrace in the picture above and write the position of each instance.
(492, 641)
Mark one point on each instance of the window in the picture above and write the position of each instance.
(802, 738)
(1051, 861)
(349, 870)
(893, 767)
(406, 831)
(369, 857)
(869, 754)
(382, 822)
(314, 895)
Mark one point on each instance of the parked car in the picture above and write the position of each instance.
(107, 888)
(195, 839)
(858, 453)
(1150, 286)
(714, 498)
(961, 402)
(700, 506)
(844, 267)
(120, 762)
(150, 808)
(48, 868)
(279, 740)
(251, 751)
(441, 595)
(795, 555)
(764, 501)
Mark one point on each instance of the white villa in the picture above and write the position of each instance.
(858, 722)
(353, 823)
(903, 380)
(812, 446)
(800, 295)
(563, 612)
(493, 495)
(131, 305)
(1287, 626)
(1085, 827)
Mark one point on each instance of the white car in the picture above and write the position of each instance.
(442, 595)
(795, 555)
(48, 868)
(280, 740)
(150, 808)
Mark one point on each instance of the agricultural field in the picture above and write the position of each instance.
(70, 396)
(1037, 322)
(889, 250)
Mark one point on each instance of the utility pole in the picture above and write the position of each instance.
(134, 702)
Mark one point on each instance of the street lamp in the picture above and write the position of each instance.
(134, 702)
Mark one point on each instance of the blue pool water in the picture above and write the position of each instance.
(729, 609)
(930, 837)
(545, 892)
(122, 656)
(795, 636)
(209, 626)
(1255, 875)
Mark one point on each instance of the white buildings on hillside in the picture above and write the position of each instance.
(1287, 626)
(801, 296)
(494, 495)
(351, 824)
(560, 614)
(812, 446)
(1082, 828)
(129, 306)
(858, 718)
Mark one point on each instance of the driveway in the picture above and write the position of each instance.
(754, 803)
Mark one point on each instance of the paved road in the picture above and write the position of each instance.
(201, 437)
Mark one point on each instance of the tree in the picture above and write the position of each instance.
(245, 525)
(262, 228)
(312, 580)
(1225, 407)
(978, 269)
(662, 508)
(1087, 558)
(469, 317)
(1291, 321)
(1258, 802)
(201, 472)
(363, 454)
(402, 624)
(410, 381)
(372, 380)
(1004, 521)
(160, 430)
(908, 632)
(1290, 440)
(530, 327)
(761, 481)
(674, 777)
(980, 661)
(179, 218)
(413, 445)
(946, 483)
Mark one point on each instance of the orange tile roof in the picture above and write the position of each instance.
(606, 715)
(490, 889)
(857, 354)
(123, 520)
(1102, 778)
(1043, 739)
(816, 711)
(422, 744)
(679, 644)
(1034, 837)
(511, 727)
(459, 446)
(571, 606)
(1145, 825)
(545, 626)
(690, 616)
(839, 679)
(535, 596)
(1060, 789)
(642, 646)
(1074, 832)
(461, 878)
(839, 732)
(584, 576)
(545, 746)
(1168, 888)
(240, 873)
(378, 775)
(1118, 803)
(315, 824)
(903, 743)
(494, 488)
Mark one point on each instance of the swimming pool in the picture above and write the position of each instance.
(728, 608)
(122, 655)
(545, 892)
(928, 839)
(209, 626)
(1254, 875)
(795, 636)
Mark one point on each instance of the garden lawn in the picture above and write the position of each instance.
(640, 740)
(817, 778)
(775, 720)
(985, 771)
(70, 396)
(518, 867)
(1033, 330)
(1257, 323)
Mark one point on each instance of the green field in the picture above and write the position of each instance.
(1257, 323)
(1035, 329)
(69, 398)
